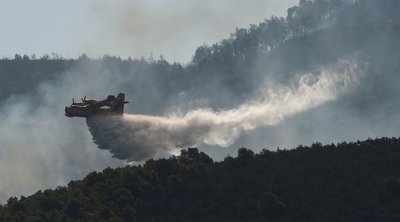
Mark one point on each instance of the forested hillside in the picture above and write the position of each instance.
(314, 34)
(357, 181)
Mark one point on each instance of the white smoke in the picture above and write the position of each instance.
(40, 148)
(138, 137)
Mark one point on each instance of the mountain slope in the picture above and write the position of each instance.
(345, 182)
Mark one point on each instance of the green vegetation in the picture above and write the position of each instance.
(357, 181)
(314, 33)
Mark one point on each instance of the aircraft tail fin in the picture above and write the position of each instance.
(121, 99)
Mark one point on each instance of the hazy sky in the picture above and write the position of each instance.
(172, 28)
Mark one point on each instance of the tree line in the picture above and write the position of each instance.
(227, 73)
(358, 181)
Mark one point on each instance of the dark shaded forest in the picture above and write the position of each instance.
(314, 34)
(357, 181)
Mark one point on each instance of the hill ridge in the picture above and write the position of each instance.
(355, 181)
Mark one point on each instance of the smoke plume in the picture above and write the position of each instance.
(129, 27)
(138, 137)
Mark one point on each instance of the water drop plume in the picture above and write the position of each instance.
(139, 137)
